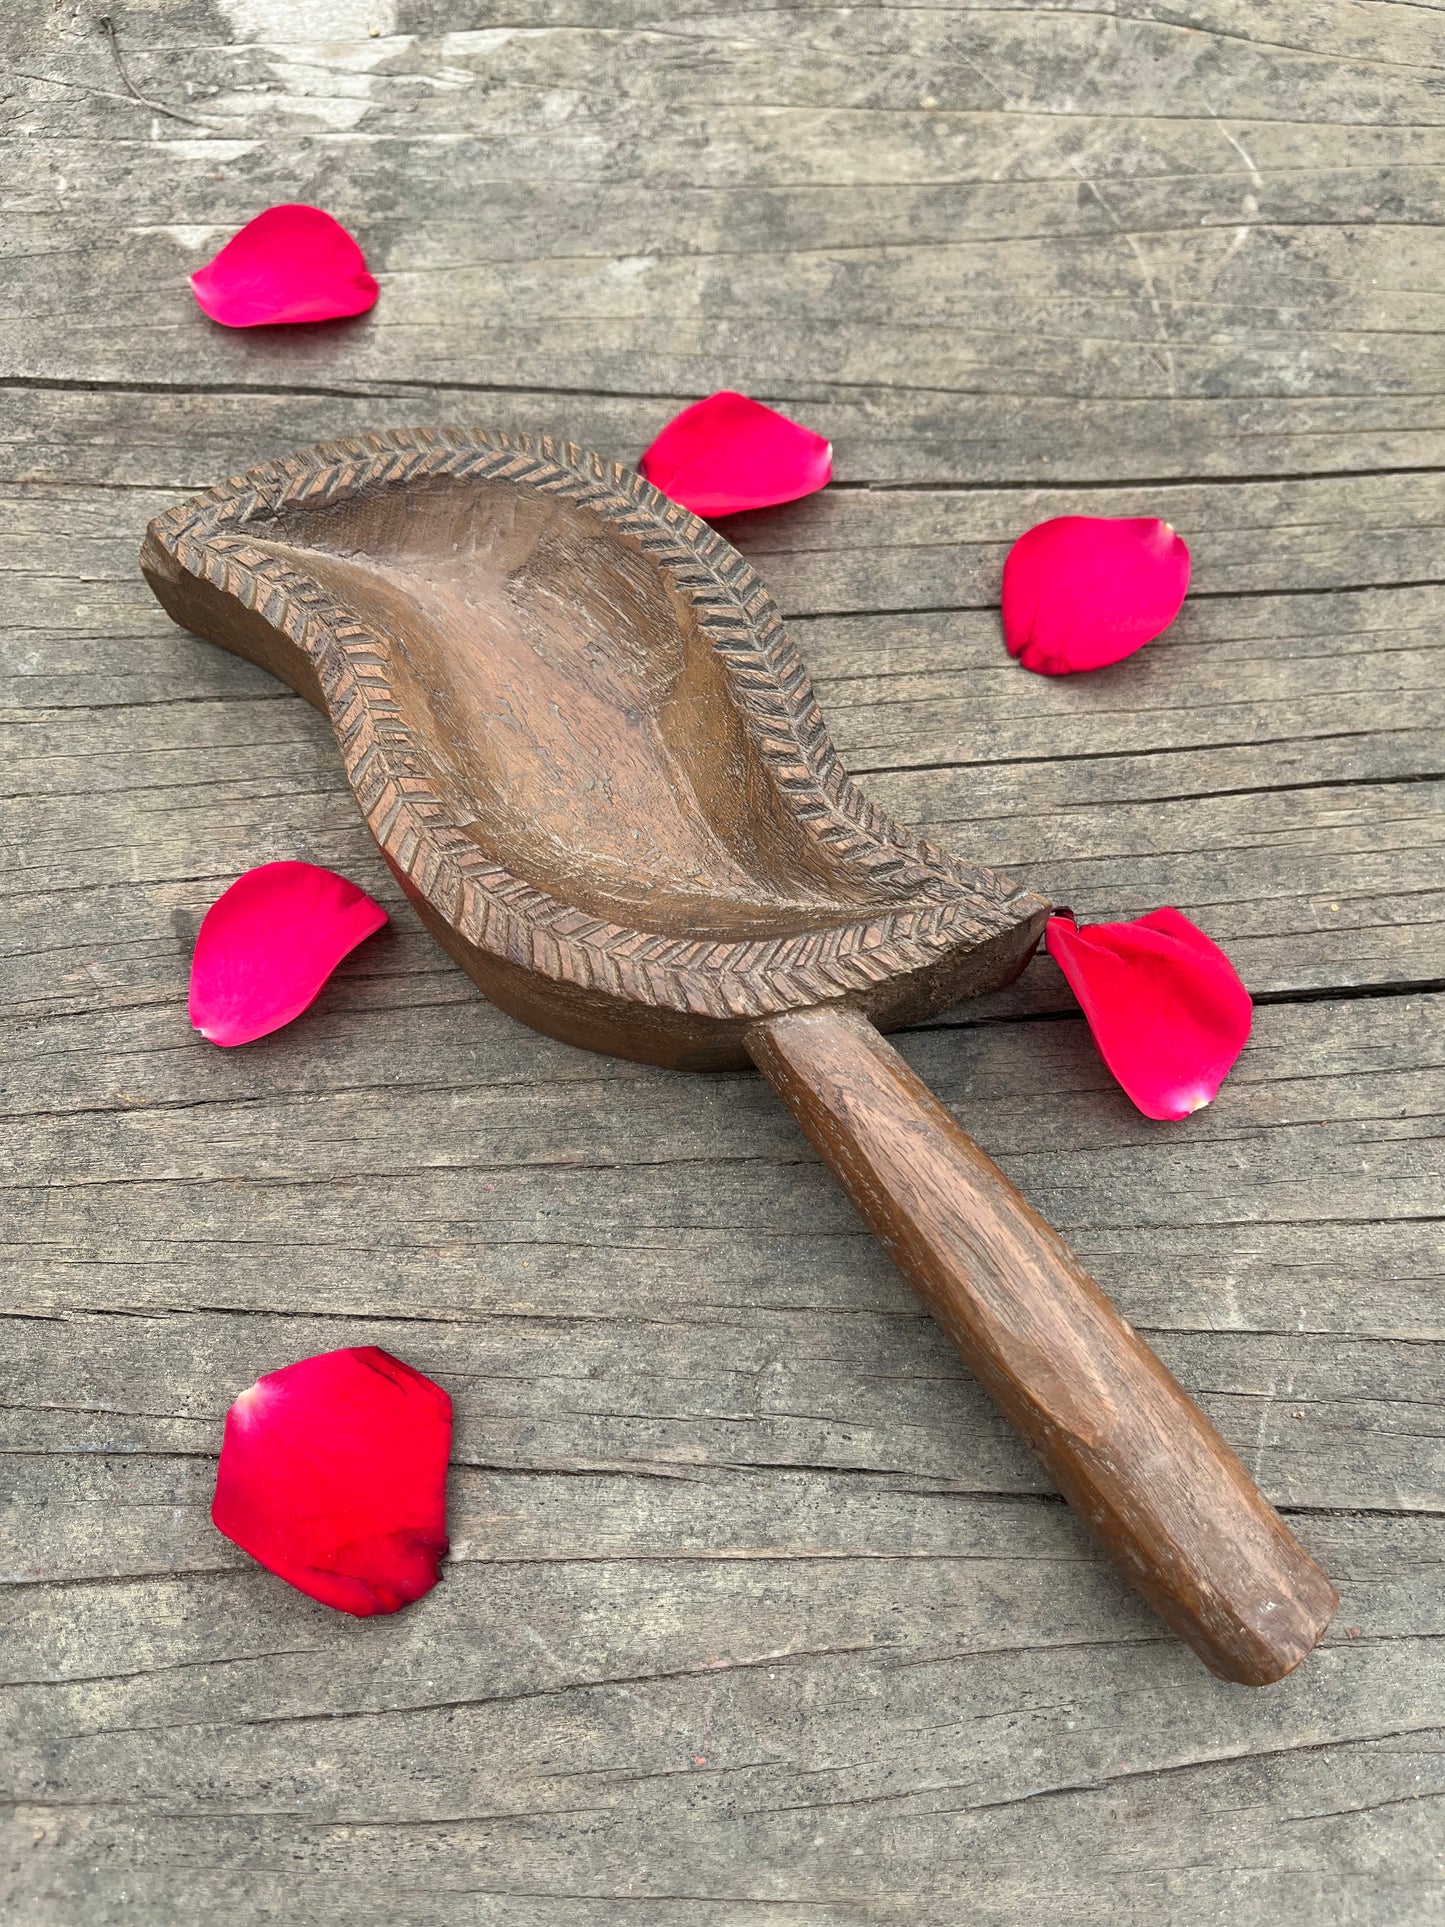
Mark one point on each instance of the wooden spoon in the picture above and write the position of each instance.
(585, 746)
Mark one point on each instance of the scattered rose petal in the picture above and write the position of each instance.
(1166, 1006)
(333, 1474)
(268, 944)
(292, 263)
(1086, 590)
(729, 453)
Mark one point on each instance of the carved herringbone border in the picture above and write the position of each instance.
(489, 906)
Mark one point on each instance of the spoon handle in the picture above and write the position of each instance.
(1131, 1452)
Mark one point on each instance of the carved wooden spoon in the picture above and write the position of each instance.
(579, 734)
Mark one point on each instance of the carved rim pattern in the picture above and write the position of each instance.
(212, 537)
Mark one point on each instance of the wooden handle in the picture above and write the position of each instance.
(1136, 1458)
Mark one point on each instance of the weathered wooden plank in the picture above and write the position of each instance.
(863, 549)
(847, 203)
(787, 72)
(697, 325)
(622, 1729)
(759, 54)
(179, 440)
(1325, 1422)
(112, 1511)
(1297, 1836)
(419, 1251)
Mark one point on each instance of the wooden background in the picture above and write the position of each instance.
(755, 1612)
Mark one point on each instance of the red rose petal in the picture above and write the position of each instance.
(1086, 590)
(1166, 1006)
(729, 453)
(292, 263)
(333, 1475)
(268, 944)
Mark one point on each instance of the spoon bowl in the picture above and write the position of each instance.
(582, 739)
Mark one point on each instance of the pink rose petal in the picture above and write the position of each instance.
(1166, 1006)
(1086, 590)
(292, 263)
(729, 453)
(268, 945)
(333, 1475)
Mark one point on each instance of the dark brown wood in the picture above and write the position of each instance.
(1146, 1471)
(579, 734)
(575, 724)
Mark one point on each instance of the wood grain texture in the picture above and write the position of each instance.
(1138, 1461)
(758, 1612)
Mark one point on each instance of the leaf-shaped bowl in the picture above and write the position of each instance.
(575, 724)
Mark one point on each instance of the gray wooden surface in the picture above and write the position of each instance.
(755, 1612)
